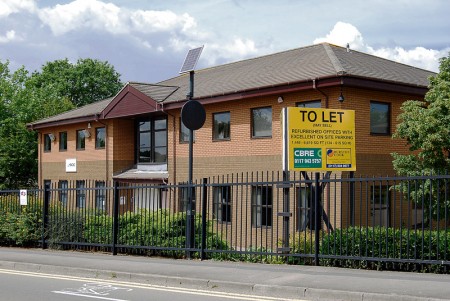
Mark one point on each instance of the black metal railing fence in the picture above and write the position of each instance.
(263, 217)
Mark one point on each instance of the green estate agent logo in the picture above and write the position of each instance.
(307, 158)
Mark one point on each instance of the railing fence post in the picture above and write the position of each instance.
(47, 188)
(317, 198)
(115, 229)
(204, 220)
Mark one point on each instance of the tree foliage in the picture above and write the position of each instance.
(25, 98)
(82, 83)
(426, 127)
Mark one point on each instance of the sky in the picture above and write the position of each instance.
(147, 40)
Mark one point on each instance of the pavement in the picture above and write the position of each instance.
(281, 281)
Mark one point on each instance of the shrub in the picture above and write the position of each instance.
(361, 245)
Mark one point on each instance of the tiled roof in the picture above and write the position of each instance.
(288, 67)
(84, 111)
(297, 65)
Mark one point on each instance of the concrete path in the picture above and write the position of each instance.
(283, 281)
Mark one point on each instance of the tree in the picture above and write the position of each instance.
(21, 103)
(82, 83)
(24, 98)
(426, 127)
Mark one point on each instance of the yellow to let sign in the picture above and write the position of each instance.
(319, 139)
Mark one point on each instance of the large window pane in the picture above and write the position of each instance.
(221, 126)
(152, 141)
(379, 118)
(262, 122)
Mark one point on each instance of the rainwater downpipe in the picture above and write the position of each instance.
(317, 89)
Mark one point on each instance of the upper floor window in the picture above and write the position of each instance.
(221, 126)
(152, 140)
(184, 133)
(309, 104)
(100, 135)
(380, 118)
(262, 122)
(81, 139)
(47, 143)
(62, 141)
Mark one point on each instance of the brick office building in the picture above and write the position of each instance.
(137, 135)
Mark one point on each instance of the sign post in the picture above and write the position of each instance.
(318, 140)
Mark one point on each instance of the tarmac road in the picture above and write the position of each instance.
(279, 281)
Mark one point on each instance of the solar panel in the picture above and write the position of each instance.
(191, 59)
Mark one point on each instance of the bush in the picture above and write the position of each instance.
(365, 244)
(20, 225)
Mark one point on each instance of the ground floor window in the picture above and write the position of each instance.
(222, 203)
(380, 203)
(81, 194)
(63, 187)
(100, 195)
(303, 208)
(262, 206)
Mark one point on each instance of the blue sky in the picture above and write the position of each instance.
(147, 41)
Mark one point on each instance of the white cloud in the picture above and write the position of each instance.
(8, 7)
(98, 15)
(343, 33)
(8, 37)
(91, 14)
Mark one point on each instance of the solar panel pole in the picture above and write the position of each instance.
(193, 116)
(191, 214)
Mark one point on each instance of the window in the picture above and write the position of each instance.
(81, 139)
(309, 104)
(100, 135)
(261, 206)
(81, 195)
(184, 133)
(47, 143)
(380, 118)
(62, 141)
(152, 141)
(262, 122)
(183, 197)
(221, 126)
(222, 203)
(100, 195)
(63, 192)
(303, 209)
(379, 197)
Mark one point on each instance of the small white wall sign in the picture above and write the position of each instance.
(71, 165)
(23, 197)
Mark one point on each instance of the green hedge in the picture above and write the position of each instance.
(385, 243)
